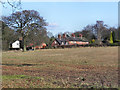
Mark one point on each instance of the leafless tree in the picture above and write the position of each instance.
(14, 4)
(99, 28)
(25, 21)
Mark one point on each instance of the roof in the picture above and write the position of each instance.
(61, 40)
(64, 40)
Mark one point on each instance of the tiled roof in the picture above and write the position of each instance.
(61, 40)
(70, 39)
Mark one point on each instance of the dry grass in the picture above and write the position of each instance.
(54, 68)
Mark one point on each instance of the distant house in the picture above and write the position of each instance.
(16, 45)
(69, 41)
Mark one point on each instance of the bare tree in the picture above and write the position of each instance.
(99, 28)
(25, 21)
(37, 36)
(12, 3)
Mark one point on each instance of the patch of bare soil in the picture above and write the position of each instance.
(84, 76)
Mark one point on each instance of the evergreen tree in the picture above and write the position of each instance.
(111, 37)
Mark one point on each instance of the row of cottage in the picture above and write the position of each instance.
(61, 40)
(71, 40)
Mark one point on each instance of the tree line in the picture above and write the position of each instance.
(100, 33)
(29, 25)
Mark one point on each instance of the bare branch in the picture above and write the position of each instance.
(15, 4)
(3, 4)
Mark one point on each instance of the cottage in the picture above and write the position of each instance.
(16, 45)
(69, 41)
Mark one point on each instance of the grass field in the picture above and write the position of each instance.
(61, 68)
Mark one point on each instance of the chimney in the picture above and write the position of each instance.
(80, 35)
(73, 35)
(59, 36)
(64, 35)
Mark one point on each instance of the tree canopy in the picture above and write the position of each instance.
(23, 22)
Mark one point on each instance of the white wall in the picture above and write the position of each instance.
(16, 44)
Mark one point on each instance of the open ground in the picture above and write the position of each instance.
(61, 68)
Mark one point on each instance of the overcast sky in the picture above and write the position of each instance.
(73, 16)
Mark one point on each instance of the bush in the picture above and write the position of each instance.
(5, 46)
(114, 44)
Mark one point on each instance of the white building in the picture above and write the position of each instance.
(16, 44)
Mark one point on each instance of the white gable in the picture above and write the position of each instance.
(16, 44)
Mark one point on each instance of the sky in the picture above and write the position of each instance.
(72, 16)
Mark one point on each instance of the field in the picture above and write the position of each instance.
(61, 68)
